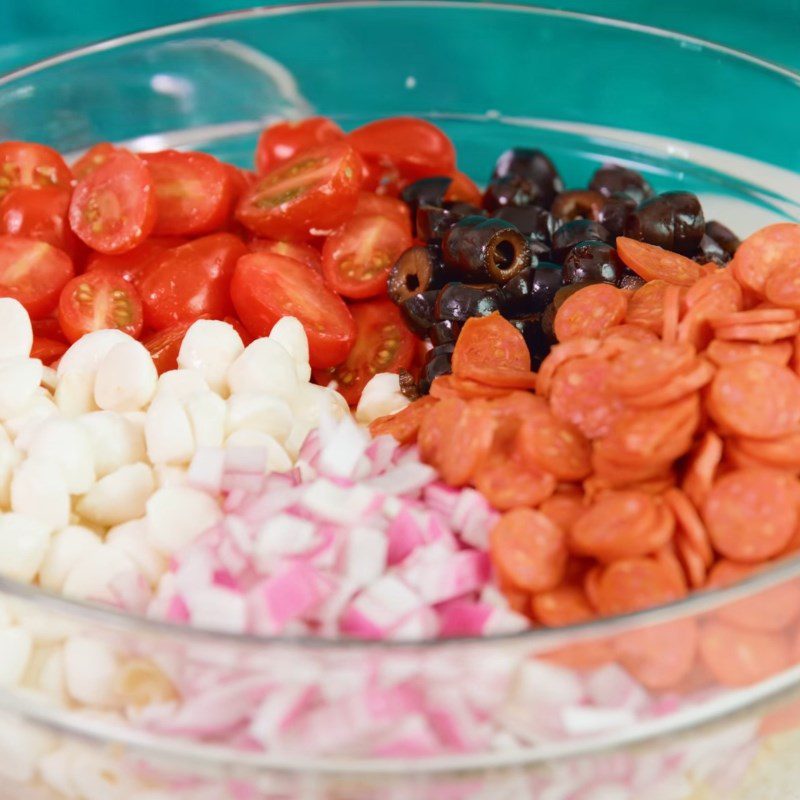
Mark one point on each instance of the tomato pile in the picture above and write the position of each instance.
(148, 243)
(657, 448)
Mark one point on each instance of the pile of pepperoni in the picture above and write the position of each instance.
(656, 451)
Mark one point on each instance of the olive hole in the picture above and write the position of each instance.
(412, 282)
(505, 255)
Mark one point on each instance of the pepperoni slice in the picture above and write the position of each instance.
(499, 377)
(528, 550)
(751, 514)
(672, 314)
(756, 399)
(678, 388)
(649, 367)
(654, 263)
(564, 508)
(467, 441)
(702, 468)
(405, 424)
(763, 252)
(634, 584)
(783, 285)
(630, 331)
(565, 605)
(556, 446)
(763, 333)
(782, 453)
(490, 342)
(739, 657)
(692, 562)
(436, 427)
(770, 610)
(646, 306)
(507, 482)
(612, 474)
(591, 585)
(722, 352)
(558, 355)
(590, 312)
(453, 386)
(755, 316)
(580, 394)
(690, 524)
(659, 657)
(727, 295)
(667, 558)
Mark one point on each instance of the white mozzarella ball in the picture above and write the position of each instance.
(16, 646)
(381, 396)
(90, 666)
(126, 378)
(49, 379)
(166, 475)
(207, 414)
(24, 426)
(289, 332)
(19, 381)
(99, 776)
(85, 355)
(119, 496)
(45, 672)
(24, 541)
(74, 394)
(22, 748)
(131, 539)
(259, 412)
(67, 445)
(39, 490)
(115, 440)
(168, 432)
(69, 546)
(9, 460)
(264, 367)
(16, 332)
(211, 347)
(92, 578)
(182, 383)
(176, 515)
(54, 769)
(277, 458)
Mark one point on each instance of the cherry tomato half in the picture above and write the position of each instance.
(47, 350)
(92, 159)
(415, 147)
(357, 258)
(33, 273)
(190, 281)
(299, 251)
(194, 192)
(97, 300)
(383, 344)
(114, 208)
(283, 141)
(464, 190)
(164, 346)
(30, 164)
(310, 195)
(40, 214)
(391, 207)
(267, 287)
(135, 264)
(48, 328)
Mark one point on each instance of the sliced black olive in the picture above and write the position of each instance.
(723, 236)
(570, 233)
(444, 332)
(614, 178)
(710, 251)
(575, 204)
(436, 366)
(433, 222)
(533, 165)
(547, 281)
(418, 311)
(412, 273)
(538, 344)
(630, 280)
(459, 301)
(531, 221)
(440, 350)
(511, 191)
(426, 192)
(615, 212)
(673, 220)
(592, 261)
(540, 251)
(531, 291)
(480, 250)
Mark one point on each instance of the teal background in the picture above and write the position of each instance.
(32, 29)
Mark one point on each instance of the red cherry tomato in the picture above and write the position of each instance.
(299, 251)
(48, 328)
(383, 179)
(193, 192)
(310, 195)
(114, 208)
(97, 300)
(391, 207)
(357, 258)
(40, 214)
(47, 350)
(29, 164)
(191, 281)
(134, 265)
(165, 345)
(463, 190)
(92, 159)
(383, 344)
(283, 141)
(414, 147)
(241, 180)
(267, 287)
(33, 273)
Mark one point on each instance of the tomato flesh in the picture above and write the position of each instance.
(135, 264)
(191, 281)
(266, 287)
(98, 300)
(464, 190)
(391, 207)
(194, 192)
(383, 344)
(47, 350)
(308, 196)
(357, 258)
(33, 272)
(114, 208)
(164, 346)
(299, 251)
(92, 159)
(282, 141)
(30, 164)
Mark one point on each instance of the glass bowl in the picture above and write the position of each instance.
(669, 703)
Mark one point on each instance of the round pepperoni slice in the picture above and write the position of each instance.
(634, 584)
(739, 657)
(726, 293)
(451, 386)
(613, 474)
(667, 558)
(763, 252)
(565, 605)
(646, 306)
(436, 427)
(783, 285)
(659, 657)
(564, 508)
(672, 314)
(751, 514)
(654, 263)
(558, 355)
(755, 316)
(556, 447)
(528, 550)
(490, 342)
(590, 312)
(499, 377)
(405, 424)
(756, 399)
(630, 332)
(466, 444)
(781, 453)
(690, 524)
(650, 367)
(702, 468)
(722, 352)
(507, 482)
(680, 386)
(762, 333)
(692, 561)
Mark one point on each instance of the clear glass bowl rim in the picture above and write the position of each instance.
(694, 603)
